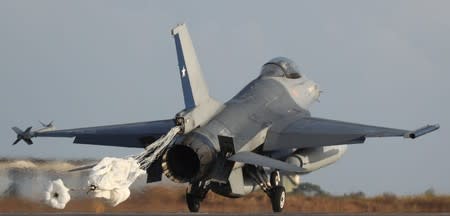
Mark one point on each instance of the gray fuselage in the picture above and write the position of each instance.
(264, 101)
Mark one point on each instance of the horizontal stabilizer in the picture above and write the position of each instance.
(422, 131)
(261, 160)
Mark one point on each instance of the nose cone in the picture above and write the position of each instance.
(305, 93)
(189, 160)
(314, 91)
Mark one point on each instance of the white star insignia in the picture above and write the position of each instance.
(183, 72)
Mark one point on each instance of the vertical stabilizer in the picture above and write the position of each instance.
(195, 91)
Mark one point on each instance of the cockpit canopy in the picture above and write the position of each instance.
(281, 67)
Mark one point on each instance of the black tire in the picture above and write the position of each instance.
(275, 178)
(278, 198)
(193, 203)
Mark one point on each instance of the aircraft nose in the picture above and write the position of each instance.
(314, 90)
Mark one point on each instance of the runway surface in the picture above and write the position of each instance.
(228, 214)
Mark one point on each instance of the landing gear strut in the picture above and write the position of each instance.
(275, 178)
(271, 187)
(195, 194)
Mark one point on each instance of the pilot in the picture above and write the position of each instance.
(281, 67)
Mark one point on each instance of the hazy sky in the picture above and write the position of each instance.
(88, 63)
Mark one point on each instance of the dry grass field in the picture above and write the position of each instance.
(21, 182)
(164, 199)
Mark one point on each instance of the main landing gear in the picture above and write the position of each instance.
(271, 187)
(197, 191)
(278, 198)
(195, 194)
(277, 193)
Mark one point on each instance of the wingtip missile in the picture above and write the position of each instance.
(23, 135)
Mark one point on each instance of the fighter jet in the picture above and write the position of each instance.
(262, 138)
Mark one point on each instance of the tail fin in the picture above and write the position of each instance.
(195, 91)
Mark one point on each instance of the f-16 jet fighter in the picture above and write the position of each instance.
(262, 138)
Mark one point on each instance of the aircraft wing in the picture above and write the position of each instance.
(136, 135)
(314, 132)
